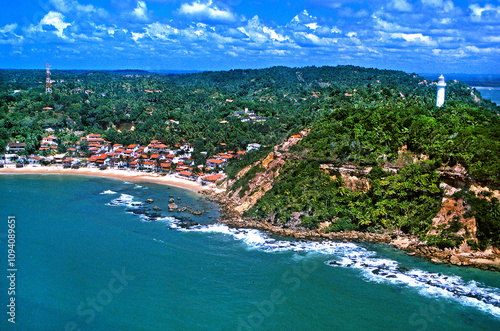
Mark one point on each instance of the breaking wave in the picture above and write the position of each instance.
(372, 267)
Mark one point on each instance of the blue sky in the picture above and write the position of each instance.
(451, 36)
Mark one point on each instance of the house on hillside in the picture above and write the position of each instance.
(15, 147)
(213, 163)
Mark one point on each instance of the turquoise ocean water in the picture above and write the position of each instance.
(88, 258)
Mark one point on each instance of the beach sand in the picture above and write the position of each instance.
(126, 175)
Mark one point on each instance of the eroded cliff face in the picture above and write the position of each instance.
(263, 181)
(449, 221)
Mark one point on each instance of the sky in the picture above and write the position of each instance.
(422, 36)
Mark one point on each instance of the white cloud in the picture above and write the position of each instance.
(487, 50)
(7, 35)
(259, 33)
(434, 3)
(141, 11)
(477, 11)
(67, 6)
(161, 31)
(401, 5)
(414, 38)
(9, 28)
(206, 11)
(387, 26)
(54, 19)
(446, 5)
(312, 26)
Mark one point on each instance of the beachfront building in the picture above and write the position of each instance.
(49, 143)
(15, 147)
(211, 179)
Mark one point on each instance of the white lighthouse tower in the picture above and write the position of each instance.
(441, 87)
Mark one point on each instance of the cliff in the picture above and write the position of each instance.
(451, 236)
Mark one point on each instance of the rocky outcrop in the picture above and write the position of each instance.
(354, 178)
(456, 176)
(263, 181)
(449, 221)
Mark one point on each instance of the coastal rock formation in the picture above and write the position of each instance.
(172, 207)
(449, 227)
(263, 181)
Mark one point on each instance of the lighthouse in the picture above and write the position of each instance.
(441, 87)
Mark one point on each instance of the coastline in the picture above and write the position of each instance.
(489, 260)
(411, 245)
(126, 175)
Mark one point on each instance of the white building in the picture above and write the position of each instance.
(441, 89)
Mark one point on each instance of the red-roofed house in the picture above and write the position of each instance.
(211, 178)
(214, 163)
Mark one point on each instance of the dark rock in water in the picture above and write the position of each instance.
(149, 201)
(171, 200)
(376, 271)
(171, 196)
(183, 209)
(178, 198)
(334, 263)
(196, 212)
(172, 207)
(391, 276)
(156, 208)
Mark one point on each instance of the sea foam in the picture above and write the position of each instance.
(108, 192)
(372, 267)
(349, 255)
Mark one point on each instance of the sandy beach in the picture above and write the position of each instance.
(126, 175)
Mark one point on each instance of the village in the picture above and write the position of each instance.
(94, 152)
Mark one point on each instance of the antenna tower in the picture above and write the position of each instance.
(48, 85)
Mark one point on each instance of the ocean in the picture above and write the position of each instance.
(89, 257)
(490, 93)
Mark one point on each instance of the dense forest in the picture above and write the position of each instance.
(137, 106)
(357, 116)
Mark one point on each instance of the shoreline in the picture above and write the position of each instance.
(125, 175)
(411, 245)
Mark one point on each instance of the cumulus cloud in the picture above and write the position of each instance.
(141, 11)
(260, 33)
(53, 22)
(488, 12)
(206, 12)
(401, 5)
(73, 6)
(415, 38)
(8, 35)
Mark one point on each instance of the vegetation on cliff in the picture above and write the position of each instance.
(412, 140)
(365, 118)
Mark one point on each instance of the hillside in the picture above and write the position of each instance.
(341, 148)
(286, 100)
(429, 172)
